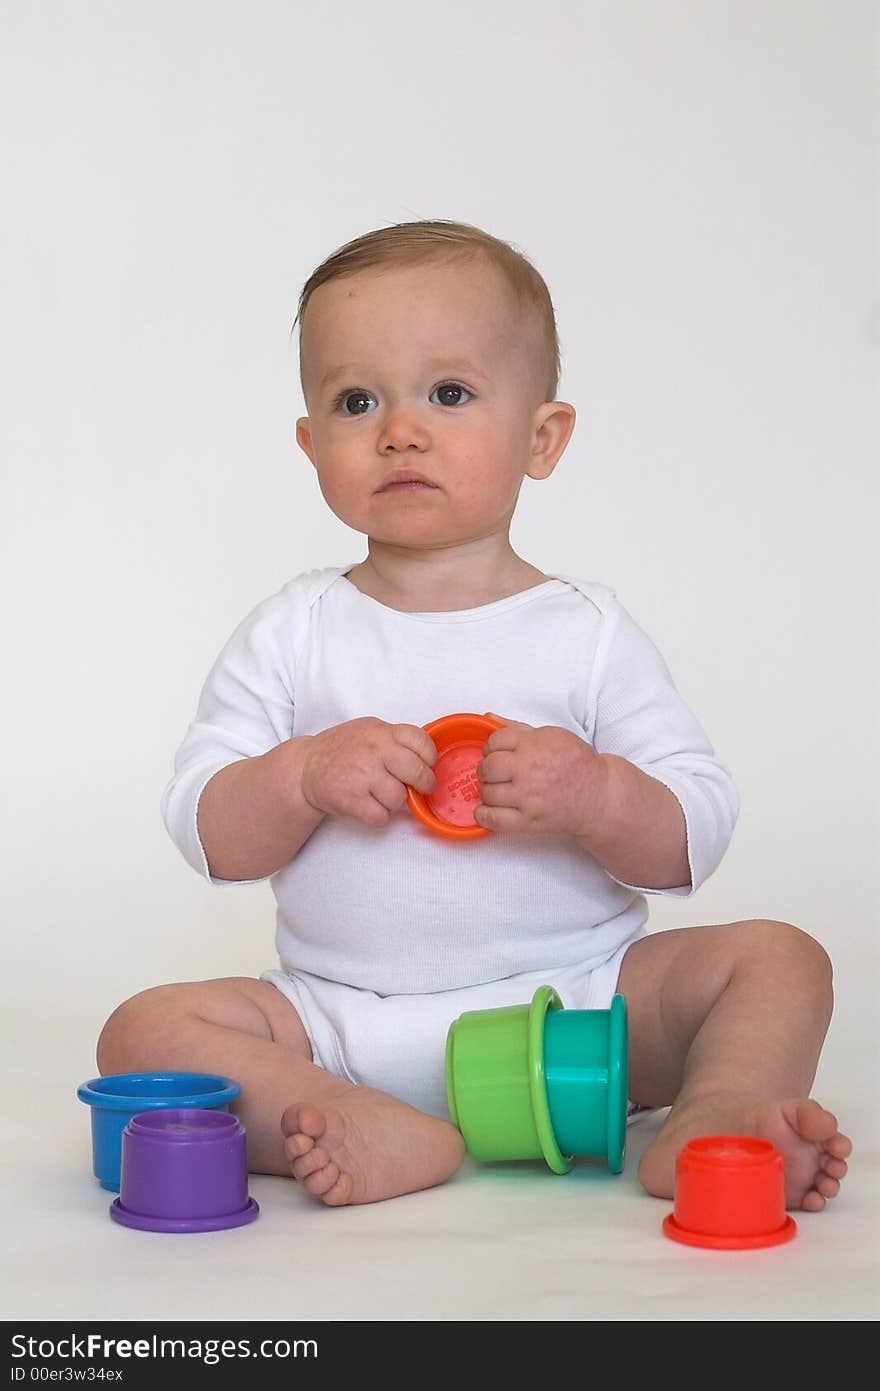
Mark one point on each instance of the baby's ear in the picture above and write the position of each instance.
(554, 423)
(304, 437)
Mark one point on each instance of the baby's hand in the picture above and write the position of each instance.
(361, 768)
(532, 779)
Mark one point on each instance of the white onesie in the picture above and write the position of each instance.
(385, 935)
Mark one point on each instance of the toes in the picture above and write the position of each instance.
(814, 1123)
(297, 1145)
(303, 1118)
(839, 1145)
(835, 1168)
(340, 1193)
(310, 1163)
(290, 1120)
(828, 1187)
(813, 1201)
(318, 1183)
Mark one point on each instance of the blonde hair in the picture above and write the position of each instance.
(417, 243)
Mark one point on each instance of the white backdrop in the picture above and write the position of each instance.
(695, 181)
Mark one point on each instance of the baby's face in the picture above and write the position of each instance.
(424, 370)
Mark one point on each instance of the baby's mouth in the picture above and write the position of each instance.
(404, 480)
(405, 487)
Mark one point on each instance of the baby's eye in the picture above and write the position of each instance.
(352, 395)
(451, 386)
(344, 397)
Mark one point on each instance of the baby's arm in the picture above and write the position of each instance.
(642, 790)
(256, 814)
(548, 779)
(664, 781)
(246, 793)
(636, 827)
(252, 815)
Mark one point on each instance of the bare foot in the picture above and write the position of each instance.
(813, 1149)
(366, 1145)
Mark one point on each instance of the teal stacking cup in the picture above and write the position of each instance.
(586, 1066)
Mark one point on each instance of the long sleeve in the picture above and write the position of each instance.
(245, 709)
(640, 716)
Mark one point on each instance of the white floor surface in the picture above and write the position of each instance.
(497, 1242)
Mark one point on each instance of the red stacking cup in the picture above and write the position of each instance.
(449, 809)
(729, 1194)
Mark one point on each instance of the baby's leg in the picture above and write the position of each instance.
(726, 1026)
(346, 1144)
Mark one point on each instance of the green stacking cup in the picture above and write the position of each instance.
(495, 1082)
(585, 1064)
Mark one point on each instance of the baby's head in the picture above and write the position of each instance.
(429, 348)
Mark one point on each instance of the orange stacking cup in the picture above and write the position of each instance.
(449, 809)
(729, 1194)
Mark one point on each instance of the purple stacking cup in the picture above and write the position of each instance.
(184, 1169)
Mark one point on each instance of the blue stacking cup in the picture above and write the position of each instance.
(114, 1100)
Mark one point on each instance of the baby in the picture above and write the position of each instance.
(429, 368)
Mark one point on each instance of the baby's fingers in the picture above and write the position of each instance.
(409, 768)
(499, 818)
(496, 767)
(410, 736)
(387, 791)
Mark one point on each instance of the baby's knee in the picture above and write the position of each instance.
(795, 953)
(127, 1042)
